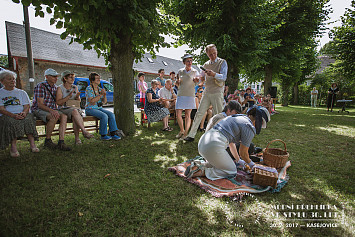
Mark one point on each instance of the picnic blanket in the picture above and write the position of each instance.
(233, 187)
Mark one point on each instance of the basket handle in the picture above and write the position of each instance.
(275, 141)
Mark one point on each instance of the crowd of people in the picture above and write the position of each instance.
(248, 98)
(201, 101)
(237, 117)
(51, 103)
(200, 95)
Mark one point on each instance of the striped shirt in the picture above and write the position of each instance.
(237, 128)
(42, 91)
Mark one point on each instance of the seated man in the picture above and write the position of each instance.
(168, 95)
(44, 107)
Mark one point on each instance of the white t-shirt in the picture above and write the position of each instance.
(165, 93)
(314, 92)
(241, 98)
(13, 100)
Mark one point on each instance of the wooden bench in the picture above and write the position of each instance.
(145, 120)
(88, 127)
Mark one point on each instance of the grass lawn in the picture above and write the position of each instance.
(56, 193)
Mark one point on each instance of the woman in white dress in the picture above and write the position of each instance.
(187, 77)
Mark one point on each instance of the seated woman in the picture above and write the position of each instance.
(266, 104)
(66, 93)
(258, 99)
(213, 144)
(95, 98)
(154, 109)
(235, 96)
(15, 119)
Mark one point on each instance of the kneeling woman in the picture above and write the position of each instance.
(95, 98)
(229, 131)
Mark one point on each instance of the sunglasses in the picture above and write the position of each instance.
(200, 92)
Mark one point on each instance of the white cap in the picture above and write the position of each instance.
(51, 72)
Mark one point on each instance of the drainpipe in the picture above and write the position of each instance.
(31, 71)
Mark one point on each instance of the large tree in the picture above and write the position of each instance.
(343, 44)
(121, 30)
(237, 27)
(308, 65)
(301, 21)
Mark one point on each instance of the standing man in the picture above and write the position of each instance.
(314, 94)
(214, 77)
(168, 95)
(44, 107)
(161, 79)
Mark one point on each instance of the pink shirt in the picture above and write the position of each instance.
(144, 85)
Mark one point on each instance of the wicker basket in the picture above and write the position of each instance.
(264, 178)
(275, 157)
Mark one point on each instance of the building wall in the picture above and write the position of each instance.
(41, 66)
(255, 86)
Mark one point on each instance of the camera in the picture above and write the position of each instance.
(204, 69)
(99, 104)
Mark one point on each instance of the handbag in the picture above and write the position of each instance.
(73, 103)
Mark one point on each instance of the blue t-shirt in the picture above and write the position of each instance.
(162, 81)
(237, 128)
(89, 93)
(249, 94)
(196, 88)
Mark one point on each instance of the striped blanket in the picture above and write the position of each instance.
(234, 187)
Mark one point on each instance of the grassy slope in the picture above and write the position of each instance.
(60, 193)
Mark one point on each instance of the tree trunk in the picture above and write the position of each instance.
(268, 79)
(285, 91)
(232, 78)
(121, 59)
(295, 94)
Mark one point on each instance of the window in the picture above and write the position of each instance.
(165, 63)
(108, 87)
(82, 85)
(150, 60)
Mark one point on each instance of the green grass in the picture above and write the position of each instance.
(56, 193)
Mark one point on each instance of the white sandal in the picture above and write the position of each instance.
(180, 134)
(35, 150)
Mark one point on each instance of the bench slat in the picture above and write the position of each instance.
(69, 130)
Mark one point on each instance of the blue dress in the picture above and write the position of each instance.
(154, 111)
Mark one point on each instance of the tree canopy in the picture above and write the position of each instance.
(121, 30)
(260, 38)
(343, 43)
(238, 28)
